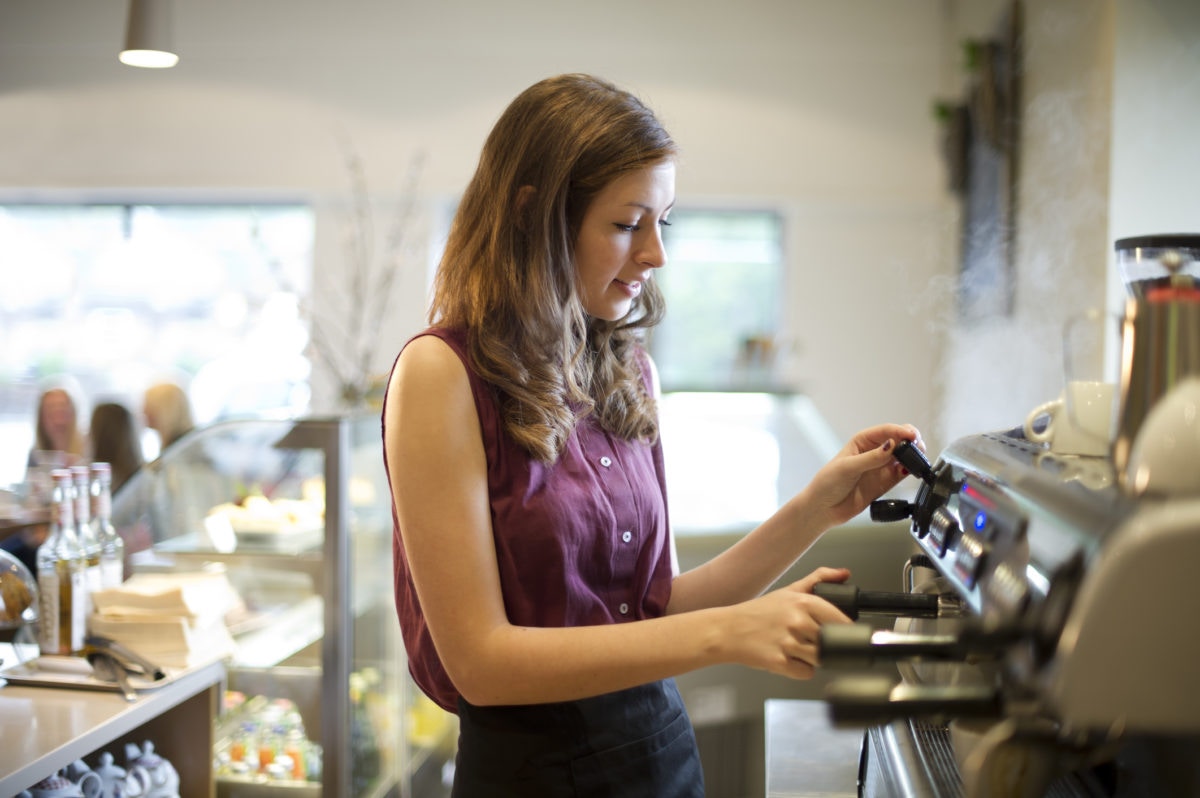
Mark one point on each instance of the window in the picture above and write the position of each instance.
(119, 296)
(737, 443)
(723, 285)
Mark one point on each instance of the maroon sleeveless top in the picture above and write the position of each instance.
(579, 542)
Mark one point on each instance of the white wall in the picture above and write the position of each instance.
(821, 107)
(1155, 122)
(995, 371)
(1111, 110)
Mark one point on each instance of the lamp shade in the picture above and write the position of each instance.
(148, 35)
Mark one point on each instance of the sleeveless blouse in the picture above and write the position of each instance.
(581, 541)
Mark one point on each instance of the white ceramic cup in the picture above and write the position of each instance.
(1081, 419)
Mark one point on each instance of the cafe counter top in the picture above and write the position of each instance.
(15, 519)
(46, 728)
(808, 757)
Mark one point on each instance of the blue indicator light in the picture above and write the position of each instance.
(980, 520)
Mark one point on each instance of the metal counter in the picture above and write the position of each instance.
(806, 756)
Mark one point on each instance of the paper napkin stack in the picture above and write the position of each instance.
(176, 620)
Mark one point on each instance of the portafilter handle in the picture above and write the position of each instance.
(858, 644)
(874, 700)
(852, 601)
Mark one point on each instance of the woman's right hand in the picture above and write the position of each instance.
(779, 631)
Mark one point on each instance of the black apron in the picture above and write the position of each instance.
(635, 743)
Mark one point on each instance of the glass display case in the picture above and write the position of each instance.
(297, 515)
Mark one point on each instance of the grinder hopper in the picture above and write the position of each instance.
(1160, 331)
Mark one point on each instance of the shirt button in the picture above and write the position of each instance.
(626, 536)
(623, 609)
(606, 461)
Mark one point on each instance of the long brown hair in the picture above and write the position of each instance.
(115, 440)
(508, 277)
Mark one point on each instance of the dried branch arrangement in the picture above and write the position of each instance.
(346, 314)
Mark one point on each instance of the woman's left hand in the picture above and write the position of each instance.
(861, 472)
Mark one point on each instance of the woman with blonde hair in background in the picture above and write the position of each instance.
(168, 412)
(177, 487)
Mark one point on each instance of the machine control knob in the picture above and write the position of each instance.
(912, 458)
(1008, 591)
(972, 553)
(891, 510)
(942, 529)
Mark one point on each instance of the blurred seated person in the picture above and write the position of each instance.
(57, 427)
(168, 412)
(57, 443)
(173, 493)
(115, 440)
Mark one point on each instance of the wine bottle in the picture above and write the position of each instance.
(112, 546)
(62, 616)
(83, 530)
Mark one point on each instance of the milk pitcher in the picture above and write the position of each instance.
(1160, 346)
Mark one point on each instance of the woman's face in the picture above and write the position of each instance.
(58, 418)
(620, 239)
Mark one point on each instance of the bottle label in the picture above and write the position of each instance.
(101, 506)
(93, 577)
(48, 613)
(79, 602)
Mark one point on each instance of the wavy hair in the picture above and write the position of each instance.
(508, 275)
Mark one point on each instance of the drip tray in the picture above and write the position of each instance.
(915, 759)
(909, 758)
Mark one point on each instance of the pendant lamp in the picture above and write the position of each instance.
(148, 35)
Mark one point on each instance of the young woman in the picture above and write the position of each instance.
(536, 582)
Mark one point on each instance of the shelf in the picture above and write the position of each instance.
(288, 633)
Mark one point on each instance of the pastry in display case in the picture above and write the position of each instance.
(18, 598)
(295, 516)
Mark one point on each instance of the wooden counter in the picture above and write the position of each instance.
(13, 522)
(44, 729)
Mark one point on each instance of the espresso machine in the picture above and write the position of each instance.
(1046, 637)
